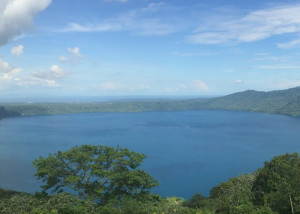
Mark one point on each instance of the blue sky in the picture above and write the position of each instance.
(143, 47)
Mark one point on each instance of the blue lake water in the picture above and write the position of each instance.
(188, 152)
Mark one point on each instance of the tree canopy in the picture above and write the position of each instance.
(278, 184)
(95, 172)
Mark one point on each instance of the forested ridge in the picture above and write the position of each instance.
(7, 113)
(274, 102)
(108, 180)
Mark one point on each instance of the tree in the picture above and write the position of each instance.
(197, 201)
(95, 172)
(278, 184)
(234, 195)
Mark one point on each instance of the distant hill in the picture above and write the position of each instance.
(273, 102)
(7, 113)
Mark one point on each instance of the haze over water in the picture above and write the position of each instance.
(188, 151)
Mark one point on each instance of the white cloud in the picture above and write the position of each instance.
(87, 28)
(268, 57)
(142, 86)
(142, 21)
(17, 50)
(62, 59)
(192, 54)
(36, 82)
(228, 71)
(75, 52)
(182, 86)
(239, 82)
(109, 86)
(51, 83)
(287, 84)
(257, 25)
(16, 16)
(289, 45)
(8, 74)
(200, 85)
(75, 55)
(54, 72)
(6, 68)
(275, 67)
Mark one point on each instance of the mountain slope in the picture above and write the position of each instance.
(6, 113)
(273, 102)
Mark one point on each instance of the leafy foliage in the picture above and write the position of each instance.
(234, 195)
(111, 175)
(95, 172)
(278, 184)
(60, 203)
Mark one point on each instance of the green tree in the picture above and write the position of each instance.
(95, 172)
(234, 195)
(278, 184)
(197, 201)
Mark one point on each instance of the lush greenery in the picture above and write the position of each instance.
(95, 172)
(273, 189)
(275, 102)
(7, 113)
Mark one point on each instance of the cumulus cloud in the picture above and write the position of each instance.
(254, 26)
(17, 50)
(75, 52)
(35, 82)
(200, 85)
(75, 55)
(54, 72)
(16, 17)
(8, 74)
(6, 68)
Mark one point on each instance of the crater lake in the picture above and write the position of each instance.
(187, 151)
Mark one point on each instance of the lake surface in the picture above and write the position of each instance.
(188, 152)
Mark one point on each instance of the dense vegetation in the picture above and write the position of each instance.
(275, 102)
(98, 173)
(275, 188)
(7, 113)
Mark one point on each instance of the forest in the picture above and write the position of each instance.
(285, 102)
(102, 179)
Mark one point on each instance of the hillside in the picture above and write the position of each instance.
(273, 102)
(7, 113)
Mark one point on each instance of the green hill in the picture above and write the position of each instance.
(273, 102)
(7, 113)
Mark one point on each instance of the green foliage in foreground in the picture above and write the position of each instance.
(64, 203)
(273, 189)
(95, 172)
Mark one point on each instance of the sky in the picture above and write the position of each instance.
(57, 48)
